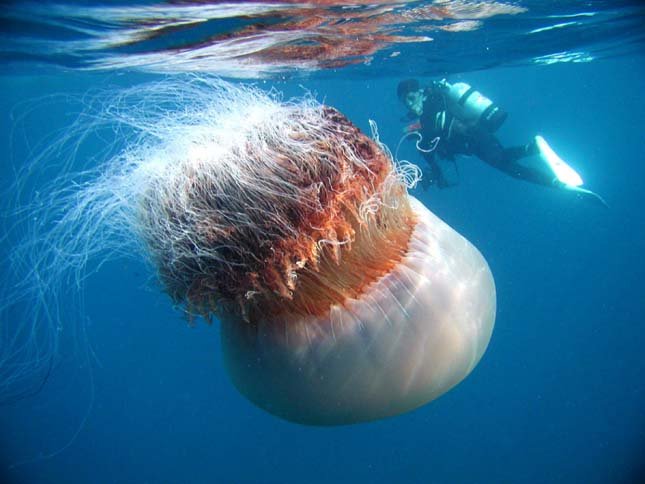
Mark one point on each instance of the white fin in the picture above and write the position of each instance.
(562, 171)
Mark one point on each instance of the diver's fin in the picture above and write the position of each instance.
(565, 177)
(563, 172)
(583, 192)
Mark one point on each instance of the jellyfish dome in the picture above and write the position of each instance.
(341, 298)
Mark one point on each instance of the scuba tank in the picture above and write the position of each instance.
(471, 107)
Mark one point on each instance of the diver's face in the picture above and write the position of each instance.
(414, 101)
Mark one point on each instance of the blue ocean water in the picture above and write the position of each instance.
(137, 395)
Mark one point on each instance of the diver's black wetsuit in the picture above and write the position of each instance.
(458, 138)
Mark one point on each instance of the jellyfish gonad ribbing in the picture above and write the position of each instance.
(341, 298)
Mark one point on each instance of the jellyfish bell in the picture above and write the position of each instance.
(409, 336)
(341, 298)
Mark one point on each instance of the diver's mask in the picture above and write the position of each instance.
(414, 101)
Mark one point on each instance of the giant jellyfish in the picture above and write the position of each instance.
(341, 297)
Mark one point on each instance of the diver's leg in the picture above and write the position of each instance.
(489, 149)
(534, 162)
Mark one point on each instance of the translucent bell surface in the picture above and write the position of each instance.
(411, 336)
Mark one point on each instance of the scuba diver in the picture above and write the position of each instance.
(455, 119)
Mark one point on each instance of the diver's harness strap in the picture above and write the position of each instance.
(440, 124)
